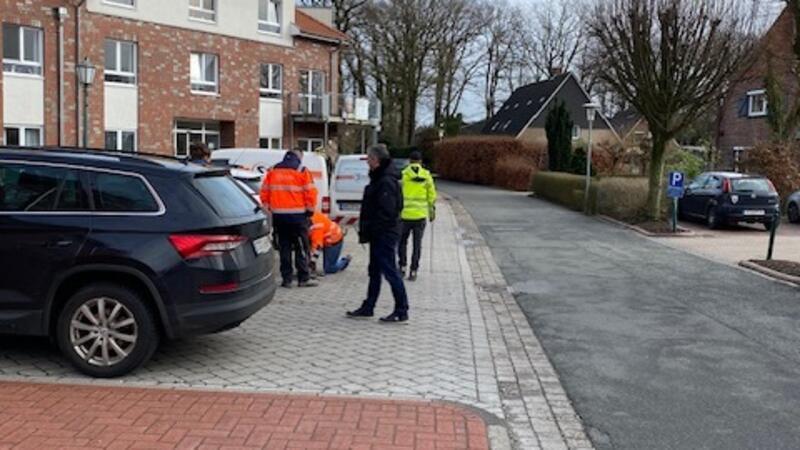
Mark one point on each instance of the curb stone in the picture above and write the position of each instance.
(778, 276)
(529, 385)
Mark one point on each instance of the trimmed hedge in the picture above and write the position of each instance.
(623, 198)
(503, 162)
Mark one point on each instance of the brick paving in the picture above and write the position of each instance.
(467, 342)
(62, 416)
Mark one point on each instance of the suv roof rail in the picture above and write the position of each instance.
(91, 150)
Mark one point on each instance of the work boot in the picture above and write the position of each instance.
(398, 318)
(307, 283)
(412, 276)
(360, 313)
(346, 264)
(286, 284)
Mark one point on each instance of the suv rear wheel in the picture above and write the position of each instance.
(712, 218)
(106, 330)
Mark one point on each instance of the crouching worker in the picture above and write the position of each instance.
(326, 236)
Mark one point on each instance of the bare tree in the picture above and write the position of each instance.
(500, 41)
(671, 60)
(455, 58)
(555, 40)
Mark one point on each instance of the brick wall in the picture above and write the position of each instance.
(39, 14)
(735, 128)
(163, 74)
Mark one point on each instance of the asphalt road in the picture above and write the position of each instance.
(657, 348)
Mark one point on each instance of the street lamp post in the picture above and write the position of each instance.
(591, 111)
(86, 72)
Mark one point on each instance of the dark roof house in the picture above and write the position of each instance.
(524, 114)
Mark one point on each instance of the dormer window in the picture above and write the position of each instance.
(269, 16)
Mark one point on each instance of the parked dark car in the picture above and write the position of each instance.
(793, 207)
(109, 253)
(721, 198)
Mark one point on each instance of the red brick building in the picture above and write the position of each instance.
(743, 118)
(231, 73)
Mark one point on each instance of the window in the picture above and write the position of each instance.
(312, 83)
(128, 3)
(203, 10)
(22, 49)
(271, 143)
(204, 73)
(269, 16)
(120, 64)
(225, 196)
(309, 145)
(121, 140)
(41, 188)
(757, 103)
(271, 80)
(122, 193)
(576, 132)
(187, 133)
(23, 136)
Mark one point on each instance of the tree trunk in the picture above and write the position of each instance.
(656, 176)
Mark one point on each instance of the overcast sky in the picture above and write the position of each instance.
(472, 106)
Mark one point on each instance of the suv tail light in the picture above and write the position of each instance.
(193, 246)
(726, 185)
(326, 205)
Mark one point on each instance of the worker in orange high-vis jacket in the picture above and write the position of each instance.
(327, 238)
(288, 193)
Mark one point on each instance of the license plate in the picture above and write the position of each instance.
(350, 206)
(262, 245)
(755, 212)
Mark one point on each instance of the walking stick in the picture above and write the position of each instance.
(433, 233)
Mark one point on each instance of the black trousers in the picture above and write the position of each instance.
(383, 265)
(293, 242)
(417, 228)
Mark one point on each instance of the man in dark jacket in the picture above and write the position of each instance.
(380, 227)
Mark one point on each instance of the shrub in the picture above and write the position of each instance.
(515, 172)
(624, 198)
(476, 159)
(778, 162)
(558, 127)
(558, 187)
(682, 161)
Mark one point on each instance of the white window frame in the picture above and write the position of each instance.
(120, 73)
(203, 11)
(203, 82)
(8, 64)
(311, 144)
(202, 131)
(271, 140)
(309, 96)
(264, 25)
(271, 91)
(576, 132)
(22, 130)
(118, 133)
(751, 96)
(130, 4)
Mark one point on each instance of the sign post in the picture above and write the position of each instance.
(675, 191)
(772, 231)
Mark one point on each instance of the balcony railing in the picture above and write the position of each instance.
(336, 108)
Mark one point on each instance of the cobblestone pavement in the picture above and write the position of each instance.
(467, 342)
(733, 244)
(45, 416)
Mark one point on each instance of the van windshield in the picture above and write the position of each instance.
(352, 175)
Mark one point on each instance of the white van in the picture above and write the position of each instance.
(350, 177)
(261, 160)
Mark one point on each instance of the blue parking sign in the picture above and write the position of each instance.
(675, 189)
(676, 179)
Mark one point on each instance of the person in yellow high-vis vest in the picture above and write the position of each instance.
(419, 206)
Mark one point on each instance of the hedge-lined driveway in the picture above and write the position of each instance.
(738, 243)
